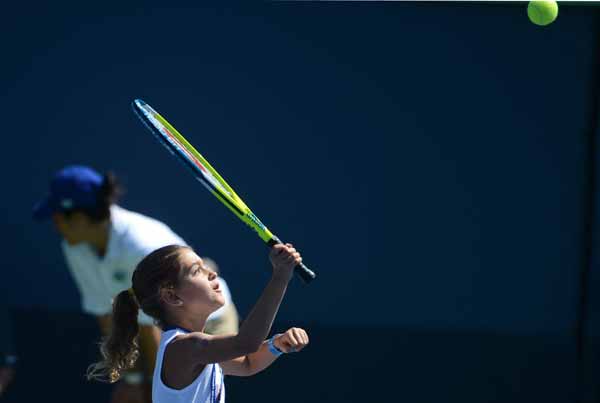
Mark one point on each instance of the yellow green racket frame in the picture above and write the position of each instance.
(207, 175)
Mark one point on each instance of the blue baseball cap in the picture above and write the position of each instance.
(75, 186)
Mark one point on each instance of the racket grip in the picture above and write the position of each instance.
(305, 274)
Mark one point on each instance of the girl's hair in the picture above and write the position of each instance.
(119, 350)
(108, 194)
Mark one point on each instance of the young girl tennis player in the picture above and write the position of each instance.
(175, 287)
(102, 244)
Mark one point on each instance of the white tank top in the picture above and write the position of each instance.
(208, 387)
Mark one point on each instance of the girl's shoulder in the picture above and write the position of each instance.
(185, 350)
(184, 342)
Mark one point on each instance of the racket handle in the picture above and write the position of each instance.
(305, 274)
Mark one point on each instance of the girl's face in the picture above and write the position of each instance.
(198, 286)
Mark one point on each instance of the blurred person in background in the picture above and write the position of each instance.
(102, 244)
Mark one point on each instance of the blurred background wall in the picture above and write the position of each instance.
(432, 162)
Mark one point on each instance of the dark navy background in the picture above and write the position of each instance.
(430, 160)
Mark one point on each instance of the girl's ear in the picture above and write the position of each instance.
(168, 295)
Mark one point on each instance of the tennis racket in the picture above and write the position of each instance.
(207, 175)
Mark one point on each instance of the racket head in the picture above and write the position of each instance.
(177, 145)
(202, 170)
(181, 149)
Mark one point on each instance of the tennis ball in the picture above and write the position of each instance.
(542, 12)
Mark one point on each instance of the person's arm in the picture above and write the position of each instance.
(148, 340)
(200, 349)
(6, 376)
(104, 322)
(131, 388)
(292, 341)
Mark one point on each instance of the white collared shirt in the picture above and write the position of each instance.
(99, 279)
(132, 237)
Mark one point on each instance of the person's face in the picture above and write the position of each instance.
(74, 228)
(198, 289)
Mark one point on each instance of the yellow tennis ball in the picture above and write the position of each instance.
(542, 12)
